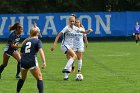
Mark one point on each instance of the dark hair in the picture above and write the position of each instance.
(15, 26)
(74, 15)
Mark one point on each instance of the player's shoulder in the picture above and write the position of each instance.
(81, 28)
(12, 34)
(76, 28)
(32, 40)
(67, 27)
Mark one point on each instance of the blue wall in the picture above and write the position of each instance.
(50, 24)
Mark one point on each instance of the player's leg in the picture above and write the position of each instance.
(72, 56)
(73, 67)
(38, 75)
(21, 80)
(5, 62)
(66, 75)
(70, 53)
(17, 56)
(79, 56)
(73, 64)
(136, 38)
(68, 66)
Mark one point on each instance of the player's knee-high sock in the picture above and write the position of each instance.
(40, 86)
(2, 68)
(18, 68)
(73, 64)
(79, 65)
(136, 40)
(19, 85)
(69, 63)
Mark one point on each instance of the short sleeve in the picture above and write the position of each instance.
(39, 44)
(80, 29)
(64, 30)
(38, 29)
(12, 38)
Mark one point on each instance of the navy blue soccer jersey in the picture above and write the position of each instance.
(31, 46)
(29, 50)
(13, 39)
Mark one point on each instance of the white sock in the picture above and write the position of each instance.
(69, 69)
(66, 75)
(69, 63)
(79, 65)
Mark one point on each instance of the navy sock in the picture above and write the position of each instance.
(20, 84)
(136, 41)
(18, 68)
(40, 86)
(2, 68)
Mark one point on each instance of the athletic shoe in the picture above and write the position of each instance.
(79, 72)
(18, 76)
(65, 71)
(73, 69)
(65, 78)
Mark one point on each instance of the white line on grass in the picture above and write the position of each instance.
(116, 55)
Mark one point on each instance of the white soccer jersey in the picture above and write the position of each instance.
(78, 39)
(36, 28)
(69, 35)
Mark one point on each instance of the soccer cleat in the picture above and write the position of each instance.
(73, 69)
(65, 71)
(65, 78)
(18, 76)
(79, 71)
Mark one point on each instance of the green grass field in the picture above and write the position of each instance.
(108, 67)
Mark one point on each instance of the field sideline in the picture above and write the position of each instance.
(108, 67)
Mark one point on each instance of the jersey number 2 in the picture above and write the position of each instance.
(27, 48)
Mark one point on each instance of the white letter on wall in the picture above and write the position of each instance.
(65, 17)
(100, 21)
(4, 19)
(88, 19)
(49, 19)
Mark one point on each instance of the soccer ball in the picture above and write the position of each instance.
(79, 77)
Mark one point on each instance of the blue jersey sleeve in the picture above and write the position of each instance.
(12, 38)
(39, 44)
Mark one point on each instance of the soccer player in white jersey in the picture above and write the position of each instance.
(78, 44)
(67, 43)
(36, 27)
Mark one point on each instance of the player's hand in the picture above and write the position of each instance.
(90, 30)
(52, 48)
(133, 34)
(86, 44)
(43, 65)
